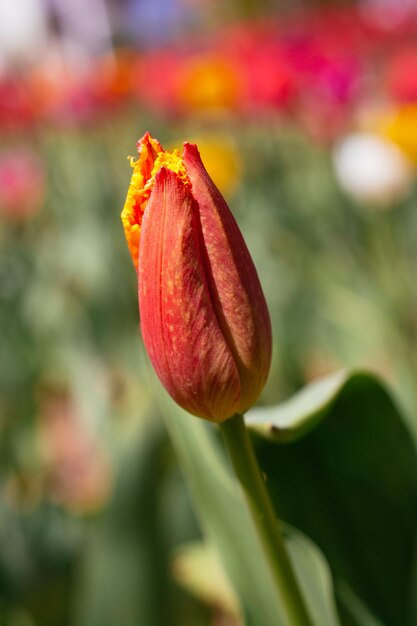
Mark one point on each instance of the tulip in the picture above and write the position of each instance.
(204, 319)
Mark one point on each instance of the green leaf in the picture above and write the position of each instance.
(348, 479)
(224, 517)
(122, 577)
(314, 575)
(297, 416)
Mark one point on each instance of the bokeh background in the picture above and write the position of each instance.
(305, 113)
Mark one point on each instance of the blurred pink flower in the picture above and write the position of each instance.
(270, 81)
(389, 16)
(77, 470)
(62, 95)
(22, 184)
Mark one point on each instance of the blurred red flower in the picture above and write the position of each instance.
(155, 80)
(16, 104)
(401, 75)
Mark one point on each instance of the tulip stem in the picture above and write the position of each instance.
(243, 459)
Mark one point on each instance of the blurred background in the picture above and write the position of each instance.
(305, 113)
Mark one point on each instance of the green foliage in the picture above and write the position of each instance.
(348, 479)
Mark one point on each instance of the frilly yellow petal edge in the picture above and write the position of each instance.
(152, 157)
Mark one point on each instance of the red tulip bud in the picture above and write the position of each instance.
(204, 319)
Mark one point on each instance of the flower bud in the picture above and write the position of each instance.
(204, 319)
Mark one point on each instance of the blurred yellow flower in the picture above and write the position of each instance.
(208, 83)
(400, 127)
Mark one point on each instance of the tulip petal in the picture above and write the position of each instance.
(179, 323)
(138, 193)
(237, 295)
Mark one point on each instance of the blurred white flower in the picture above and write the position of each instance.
(23, 30)
(371, 169)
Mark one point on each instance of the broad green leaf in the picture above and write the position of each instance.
(301, 413)
(348, 479)
(226, 521)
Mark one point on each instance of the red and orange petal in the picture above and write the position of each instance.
(234, 285)
(180, 328)
(152, 157)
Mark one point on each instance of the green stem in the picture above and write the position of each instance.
(247, 470)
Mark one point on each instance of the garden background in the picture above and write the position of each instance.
(305, 114)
